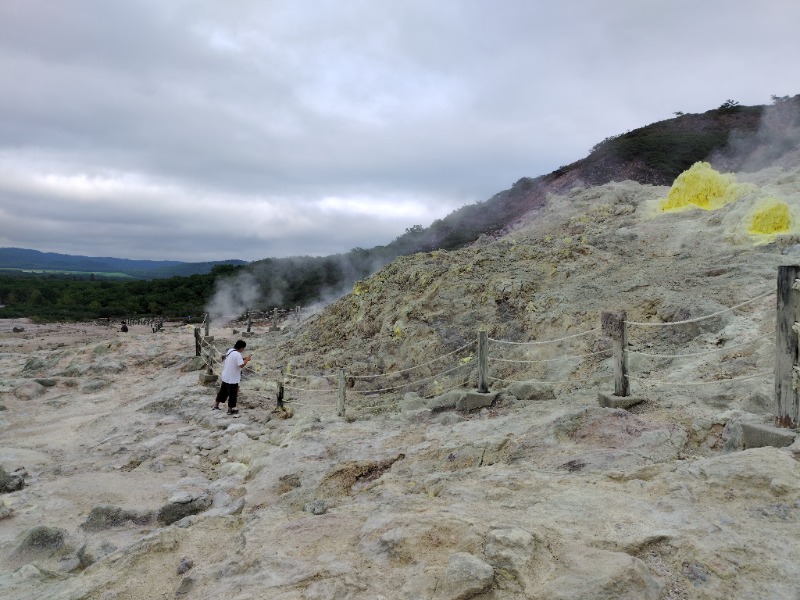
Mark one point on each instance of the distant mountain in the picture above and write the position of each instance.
(22, 258)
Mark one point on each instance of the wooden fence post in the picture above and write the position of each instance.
(208, 325)
(613, 326)
(340, 402)
(483, 362)
(279, 394)
(198, 346)
(787, 395)
(249, 322)
(209, 339)
(208, 377)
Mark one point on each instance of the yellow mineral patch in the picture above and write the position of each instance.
(770, 217)
(700, 187)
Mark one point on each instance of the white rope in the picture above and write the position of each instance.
(399, 387)
(450, 389)
(584, 380)
(508, 360)
(653, 324)
(536, 343)
(415, 366)
(682, 383)
(317, 391)
(293, 376)
(720, 349)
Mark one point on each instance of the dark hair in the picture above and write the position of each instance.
(239, 345)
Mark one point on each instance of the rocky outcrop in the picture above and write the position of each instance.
(11, 482)
(182, 505)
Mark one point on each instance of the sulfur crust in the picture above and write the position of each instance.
(701, 187)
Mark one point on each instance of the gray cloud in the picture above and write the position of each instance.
(207, 130)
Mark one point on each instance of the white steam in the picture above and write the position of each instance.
(233, 297)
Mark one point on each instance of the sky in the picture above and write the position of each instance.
(201, 130)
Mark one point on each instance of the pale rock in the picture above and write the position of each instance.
(584, 573)
(412, 403)
(205, 443)
(235, 428)
(30, 390)
(107, 367)
(751, 470)
(247, 451)
(510, 550)
(182, 497)
(465, 577)
(446, 401)
(532, 391)
(234, 469)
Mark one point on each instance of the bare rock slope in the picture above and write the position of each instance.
(134, 488)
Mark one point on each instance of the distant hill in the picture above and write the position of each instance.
(24, 259)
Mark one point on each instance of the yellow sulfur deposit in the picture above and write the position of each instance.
(770, 217)
(702, 187)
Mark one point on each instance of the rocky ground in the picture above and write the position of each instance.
(123, 484)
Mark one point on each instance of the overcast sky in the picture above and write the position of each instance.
(211, 129)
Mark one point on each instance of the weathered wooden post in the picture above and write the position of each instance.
(279, 394)
(208, 325)
(198, 345)
(249, 322)
(787, 373)
(340, 402)
(208, 376)
(483, 362)
(209, 355)
(613, 326)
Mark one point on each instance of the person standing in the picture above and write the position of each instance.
(231, 376)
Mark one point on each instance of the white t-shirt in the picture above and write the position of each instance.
(232, 368)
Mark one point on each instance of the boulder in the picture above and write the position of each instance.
(40, 542)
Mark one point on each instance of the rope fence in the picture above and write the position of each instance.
(590, 357)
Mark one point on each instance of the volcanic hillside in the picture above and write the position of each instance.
(591, 250)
